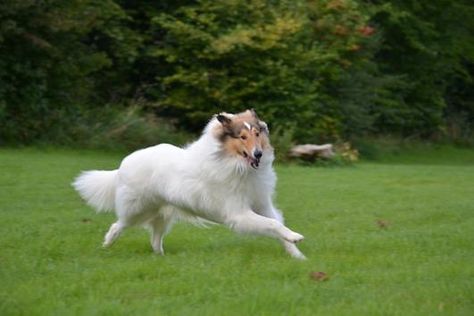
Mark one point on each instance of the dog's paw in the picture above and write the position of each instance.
(294, 237)
(299, 256)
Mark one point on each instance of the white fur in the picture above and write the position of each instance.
(97, 187)
(158, 185)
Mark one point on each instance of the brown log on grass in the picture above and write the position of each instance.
(312, 151)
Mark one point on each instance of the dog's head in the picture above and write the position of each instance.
(243, 135)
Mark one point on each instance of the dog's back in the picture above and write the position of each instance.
(154, 166)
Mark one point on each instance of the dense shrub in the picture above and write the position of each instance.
(293, 61)
(55, 54)
(122, 129)
(316, 70)
(430, 45)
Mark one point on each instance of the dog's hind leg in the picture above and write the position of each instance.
(160, 225)
(113, 233)
(129, 210)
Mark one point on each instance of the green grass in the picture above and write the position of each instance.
(422, 263)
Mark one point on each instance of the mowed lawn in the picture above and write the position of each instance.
(394, 238)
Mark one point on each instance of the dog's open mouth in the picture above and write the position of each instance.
(254, 162)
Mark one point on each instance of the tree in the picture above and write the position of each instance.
(56, 56)
(429, 45)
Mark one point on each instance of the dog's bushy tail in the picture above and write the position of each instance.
(97, 188)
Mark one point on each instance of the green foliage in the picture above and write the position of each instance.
(329, 70)
(55, 54)
(286, 59)
(282, 140)
(120, 130)
(432, 50)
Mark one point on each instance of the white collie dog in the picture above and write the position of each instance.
(226, 177)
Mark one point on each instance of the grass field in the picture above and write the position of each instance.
(394, 238)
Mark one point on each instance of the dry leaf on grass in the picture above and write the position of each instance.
(319, 276)
(383, 224)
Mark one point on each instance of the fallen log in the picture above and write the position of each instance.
(312, 152)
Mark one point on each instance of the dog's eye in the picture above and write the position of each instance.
(243, 137)
(258, 134)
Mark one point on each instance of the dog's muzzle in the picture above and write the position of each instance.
(255, 161)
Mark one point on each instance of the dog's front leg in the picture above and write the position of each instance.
(293, 250)
(250, 222)
(267, 209)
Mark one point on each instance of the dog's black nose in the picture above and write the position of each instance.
(258, 154)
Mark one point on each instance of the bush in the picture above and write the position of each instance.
(108, 127)
(291, 60)
(328, 70)
(56, 54)
(125, 129)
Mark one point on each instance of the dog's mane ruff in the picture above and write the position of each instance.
(207, 151)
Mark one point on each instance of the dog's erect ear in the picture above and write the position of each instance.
(224, 119)
(253, 112)
(263, 127)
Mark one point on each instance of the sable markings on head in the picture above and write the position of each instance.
(232, 129)
(248, 126)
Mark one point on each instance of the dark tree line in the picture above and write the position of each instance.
(322, 69)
